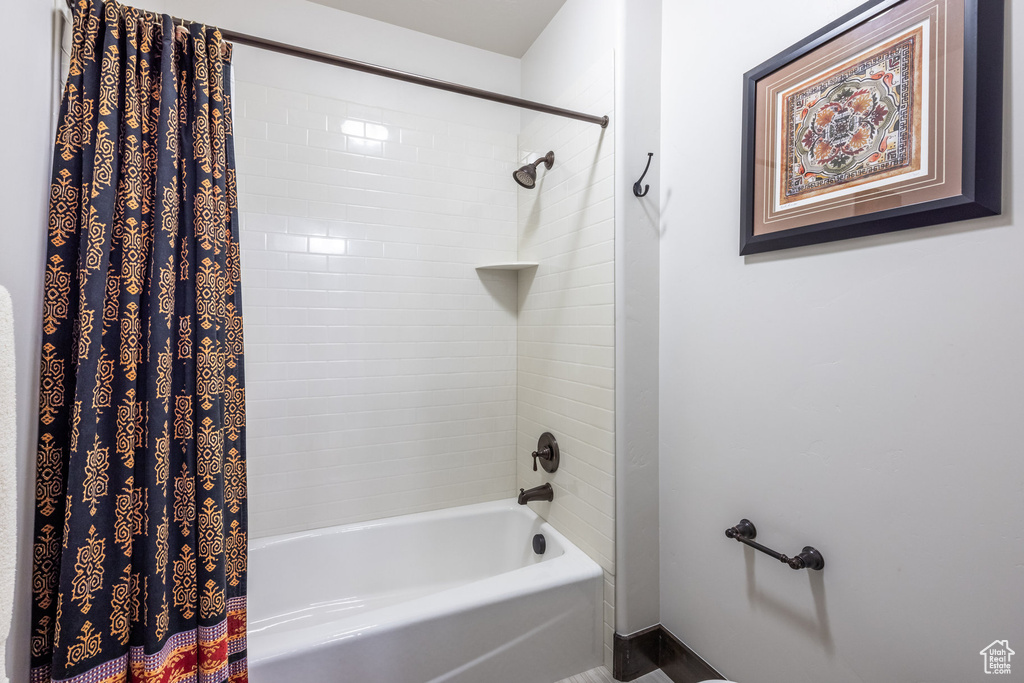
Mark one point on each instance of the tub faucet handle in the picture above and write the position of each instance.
(547, 452)
(543, 454)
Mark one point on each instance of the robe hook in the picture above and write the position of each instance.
(636, 186)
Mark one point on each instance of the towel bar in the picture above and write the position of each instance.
(809, 558)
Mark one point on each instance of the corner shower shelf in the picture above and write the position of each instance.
(511, 265)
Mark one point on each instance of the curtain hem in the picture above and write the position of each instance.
(177, 661)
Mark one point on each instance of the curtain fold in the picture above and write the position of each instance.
(139, 555)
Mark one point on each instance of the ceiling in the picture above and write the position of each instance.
(508, 27)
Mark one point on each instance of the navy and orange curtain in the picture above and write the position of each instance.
(139, 549)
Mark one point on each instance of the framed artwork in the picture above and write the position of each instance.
(887, 119)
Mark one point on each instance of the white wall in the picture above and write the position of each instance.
(380, 366)
(582, 33)
(863, 397)
(567, 305)
(637, 236)
(318, 27)
(26, 120)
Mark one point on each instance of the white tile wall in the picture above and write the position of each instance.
(381, 367)
(567, 322)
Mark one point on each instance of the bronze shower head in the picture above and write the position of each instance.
(527, 175)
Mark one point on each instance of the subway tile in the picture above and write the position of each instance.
(265, 149)
(376, 131)
(328, 211)
(247, 128)
(309, 263)
(303, 118)
(324, 140)
(288, 134)
(418, 138)
(310, 156)
(291, 208)
(327, 245)
(352, 127)
(307, 226)
(247, 91)
(333, 108)
(372, 114)
(268, 113)
(287, 98)
(286, 170)
(364, 146)
(262, 261)
(308, 191)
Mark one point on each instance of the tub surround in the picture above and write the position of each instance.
(566, 330)
(381, 366)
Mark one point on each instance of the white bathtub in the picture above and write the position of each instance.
(450, 595)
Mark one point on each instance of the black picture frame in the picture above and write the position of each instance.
(981, 153)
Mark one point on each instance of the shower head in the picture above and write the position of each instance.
(527, 175)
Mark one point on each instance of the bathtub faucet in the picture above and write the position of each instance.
(542, 492)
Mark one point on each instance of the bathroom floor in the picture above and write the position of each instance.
(602, 675)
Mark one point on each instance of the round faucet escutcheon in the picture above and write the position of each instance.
(547, 453)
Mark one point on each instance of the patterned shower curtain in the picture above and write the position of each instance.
(139, 555)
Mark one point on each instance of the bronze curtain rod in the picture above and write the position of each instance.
(365, 67)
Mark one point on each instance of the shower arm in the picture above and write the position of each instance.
(366, 67)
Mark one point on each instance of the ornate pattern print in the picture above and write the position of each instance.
(211, 454)
(51, 384)
(44, 566)
(49, 485)
(183, 417)
(74, 133)
(856, 124)
(185, 501)
(124, 523)
(40, 639)
(86, 646)
(127, 414)
(234, 481)
(184, 583)
(140, 530)
(57, 287)
(211, 534)
(88, 571)
(237, 560)
(121, 607)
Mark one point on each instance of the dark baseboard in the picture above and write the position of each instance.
(682, 664)
(656, 648)
(637, 654)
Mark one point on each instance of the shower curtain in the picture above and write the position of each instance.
(139, 552)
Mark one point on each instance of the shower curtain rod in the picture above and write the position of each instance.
(365, 67)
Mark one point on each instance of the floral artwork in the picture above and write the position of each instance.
(889, 118)
(853, 125)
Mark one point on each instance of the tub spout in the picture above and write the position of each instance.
(542, 492)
